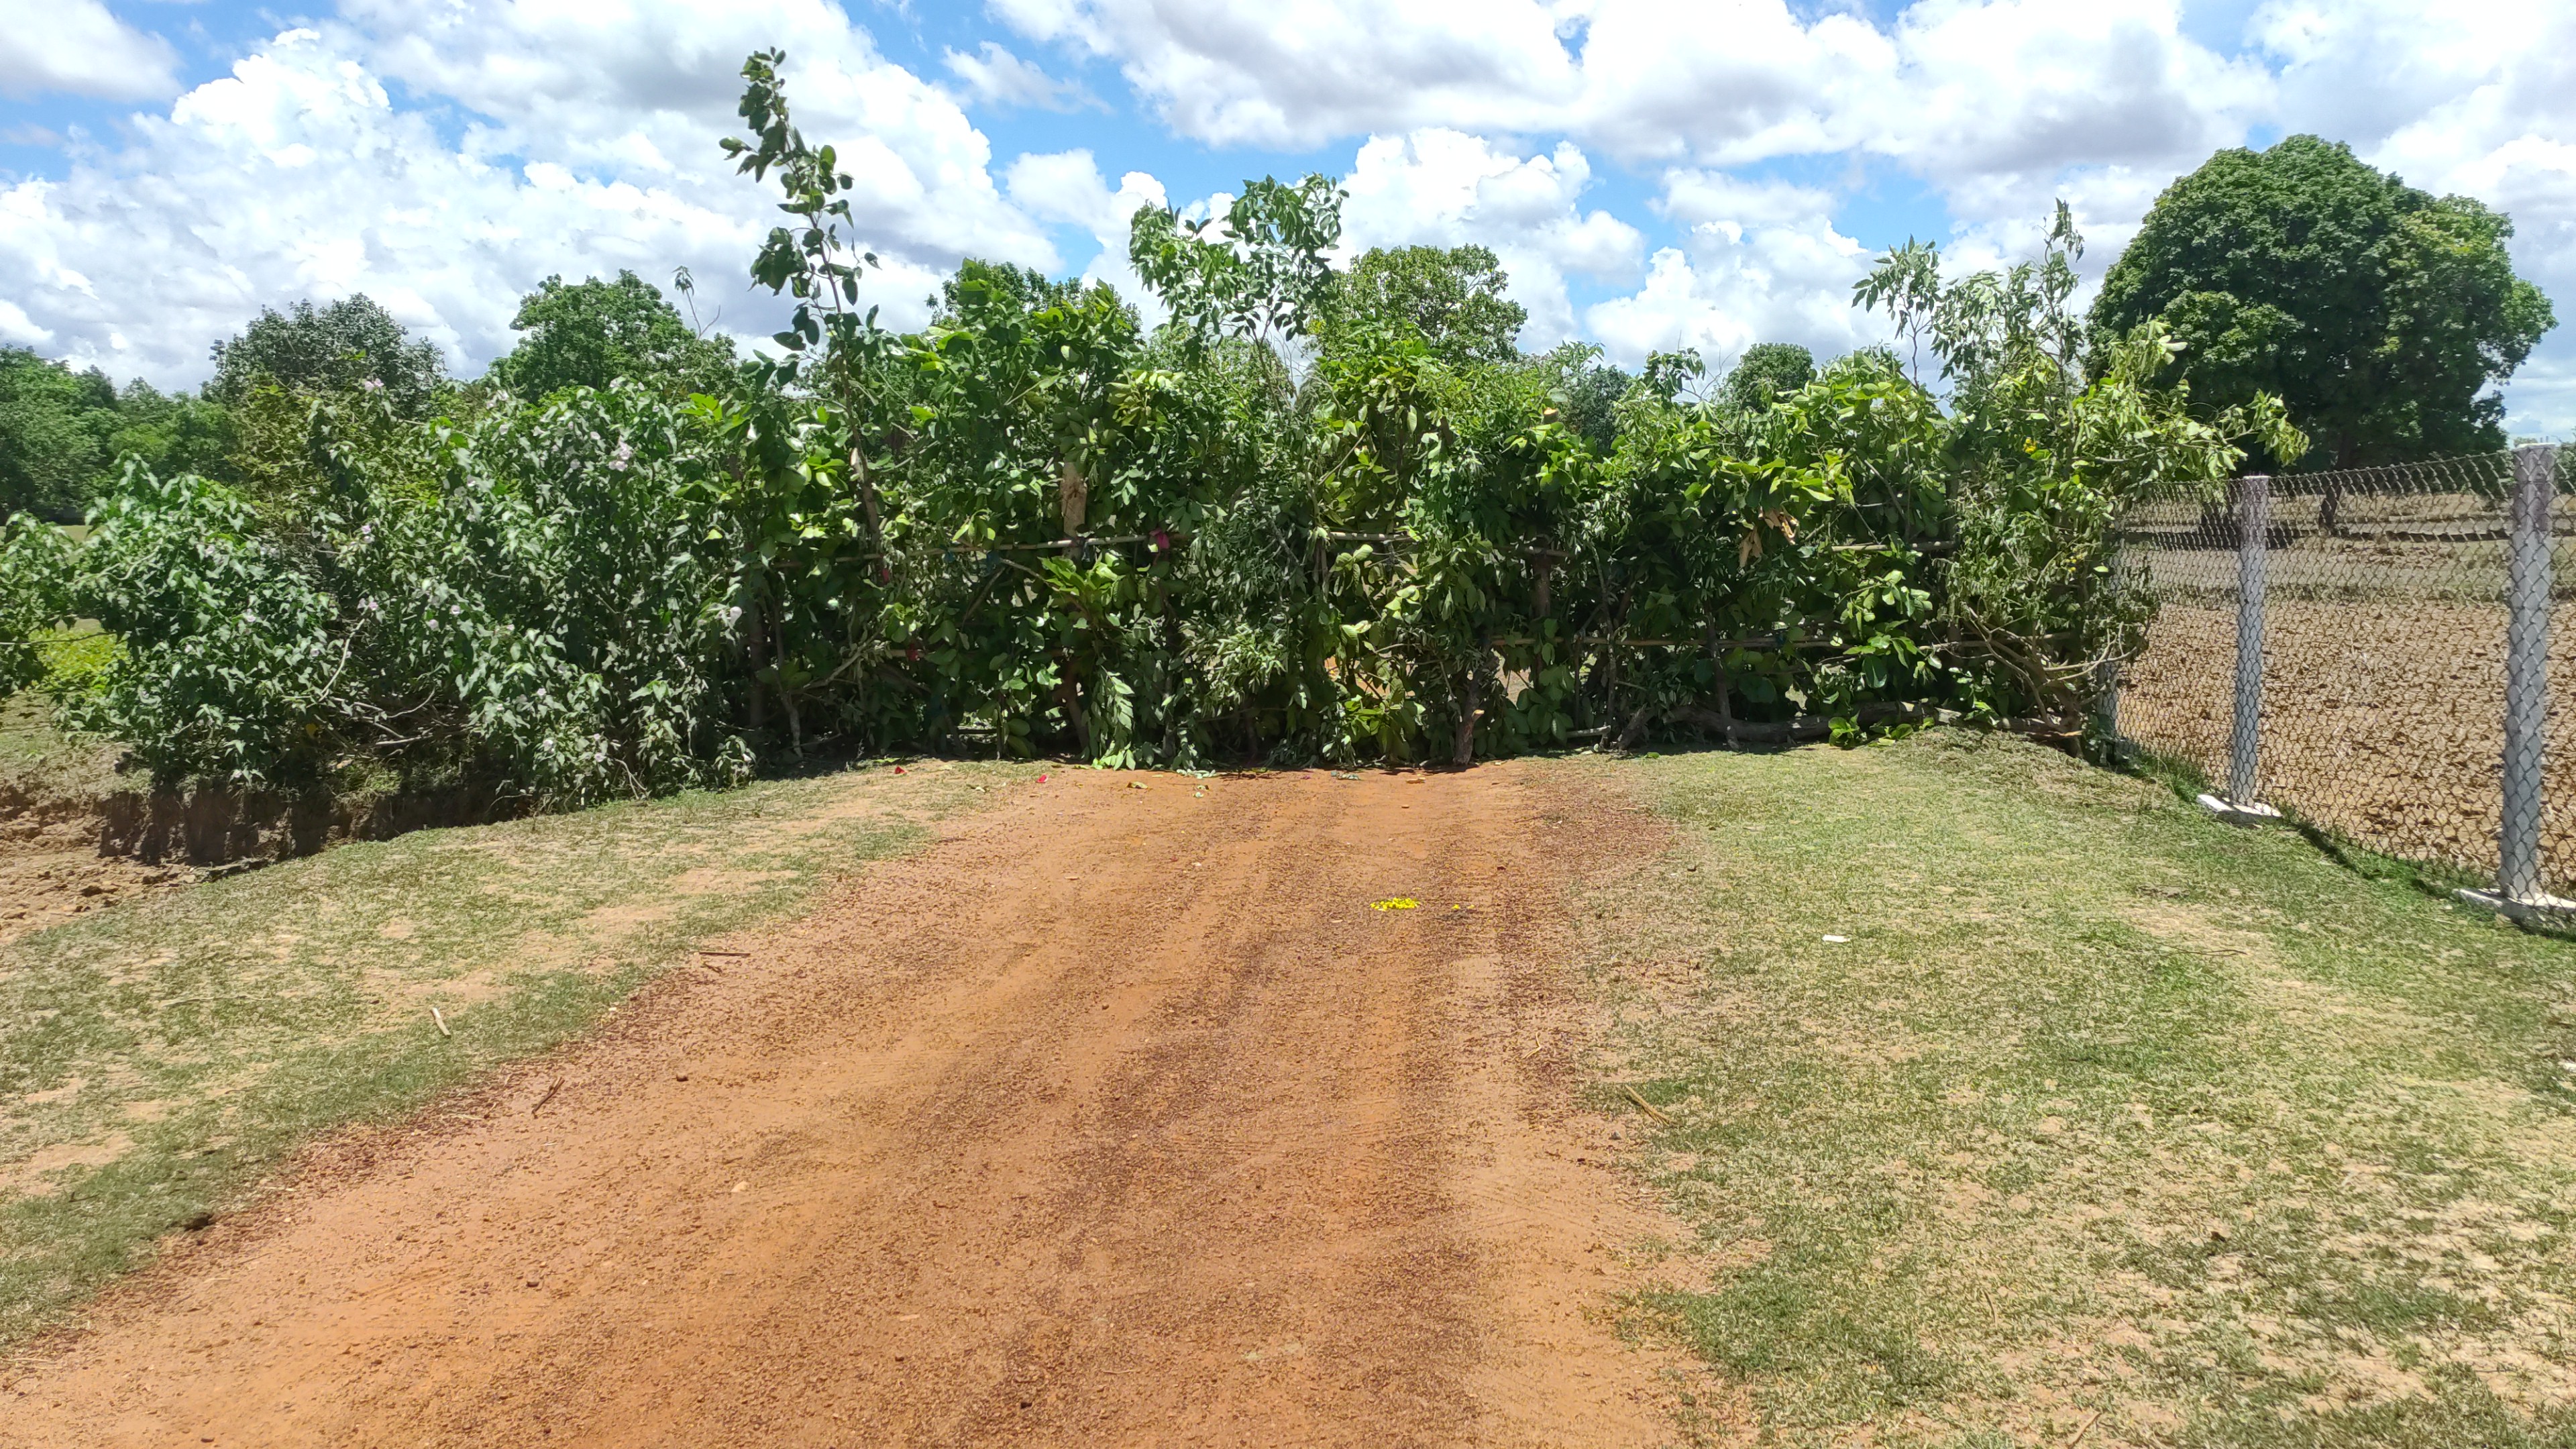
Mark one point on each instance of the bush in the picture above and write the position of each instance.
(1294, 523)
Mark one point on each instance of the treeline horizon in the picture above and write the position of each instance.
(1319, 513)
(2330, 239)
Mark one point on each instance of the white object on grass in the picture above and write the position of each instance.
(2253, 813)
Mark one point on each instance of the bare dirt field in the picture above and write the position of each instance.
(2382, 719)
(1116, 1116)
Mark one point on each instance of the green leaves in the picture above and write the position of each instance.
(2380, 315)
(1261, 273)
(818, 262)
(1033, 525)
(594, 333)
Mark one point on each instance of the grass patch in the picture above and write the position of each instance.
(2101, 1106)
(156, 1058)
(40, 762)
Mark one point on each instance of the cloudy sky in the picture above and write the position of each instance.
(1654, 175)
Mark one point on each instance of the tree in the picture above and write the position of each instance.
(2378, 313)
(53, 434)
(1588, 393)
(175, 432)
(1453, 298)
(352, 343)
(1767, 370)
(592, 333)
(1260, 272)
(64, 434)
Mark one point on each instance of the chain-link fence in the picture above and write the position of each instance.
(2414, 651)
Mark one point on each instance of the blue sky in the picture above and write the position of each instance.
(1703, 175)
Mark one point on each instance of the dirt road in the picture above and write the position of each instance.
(1116, 1117)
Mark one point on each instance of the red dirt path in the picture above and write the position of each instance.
(1115, 1117)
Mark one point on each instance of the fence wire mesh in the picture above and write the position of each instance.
(2385, 600)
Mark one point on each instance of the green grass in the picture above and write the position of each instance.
(157, 1057)
(40, 763)
(2103, 1106)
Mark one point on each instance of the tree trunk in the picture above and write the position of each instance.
(1073, 498)
(756, 644)
(867, 497)
(1068, 697)
(1465, 752)
(1473, 699)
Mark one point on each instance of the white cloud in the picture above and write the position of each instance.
(2030, 87)
(993, 74)
(1067, 187)
(80, 49)
(1697, 198)
(1954, 87)
(530, 139)
(1439, 187)
(445, 154)
(647, 86)
(1301, 73)
(2477, 100)
(1762, 263)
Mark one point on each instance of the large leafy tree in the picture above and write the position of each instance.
(350, 344)
(1766, 372)
(2380, 314)
(53, 434)
(65, 433)
(1259, 271)
(1453, 299)
(592, 333)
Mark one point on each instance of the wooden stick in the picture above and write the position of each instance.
(724, 953)
(551, 1088)
(1649, 1108)
(2087, 1429)
(442, 1022)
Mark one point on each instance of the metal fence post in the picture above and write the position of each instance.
(2526, 671)
(2254, 524)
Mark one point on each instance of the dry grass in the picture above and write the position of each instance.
(2101, 1108)
(157, 1057)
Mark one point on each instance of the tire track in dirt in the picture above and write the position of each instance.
(1115, 1117)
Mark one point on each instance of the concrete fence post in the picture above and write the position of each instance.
(2526, 671)
(2254, 525)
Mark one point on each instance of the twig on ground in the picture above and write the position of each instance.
(2087, 1429)
(442, 1022)
(1649, 1108)
(724, 953)
(547, 1096)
